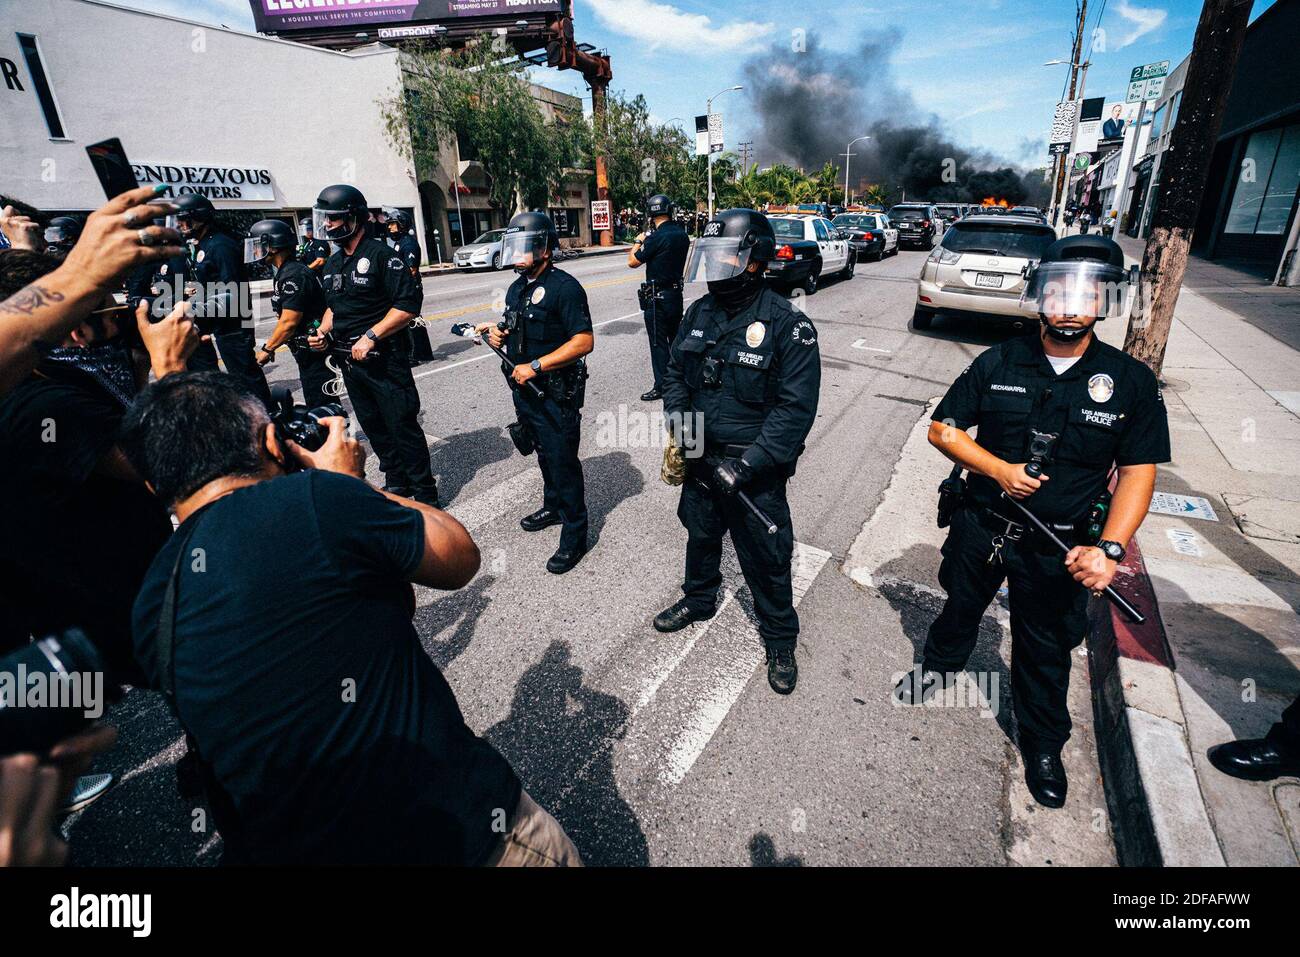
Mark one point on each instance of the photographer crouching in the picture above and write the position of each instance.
(327, 735)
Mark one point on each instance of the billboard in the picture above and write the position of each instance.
(293, 16)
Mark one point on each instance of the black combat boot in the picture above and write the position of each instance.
(782, 672)
(1257, 759)
(680, 615)
(540, 519)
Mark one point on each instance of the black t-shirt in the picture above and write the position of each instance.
(332, 733)
(552, 310)
(664, 253)
(76, 544)
(296, 288)
(1106, 409)
(361, 288)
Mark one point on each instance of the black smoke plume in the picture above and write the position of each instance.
(807, 105)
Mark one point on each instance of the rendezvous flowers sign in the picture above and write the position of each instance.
(290, 16)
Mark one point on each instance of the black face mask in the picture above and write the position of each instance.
(736, 293)
(1065, 335)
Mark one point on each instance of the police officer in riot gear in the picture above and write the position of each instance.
(1053, 411)
(312, 252)
(371, 298)
(62, 234)
(662, 250)
(298, 302)
(547, 333)
(400, 238)
(216, 267)
(740, 396)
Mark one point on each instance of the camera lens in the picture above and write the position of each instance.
(46, 689)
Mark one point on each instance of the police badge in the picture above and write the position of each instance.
(1101, 387)
(754, 335)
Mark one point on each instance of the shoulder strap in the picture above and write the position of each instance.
(165, 635)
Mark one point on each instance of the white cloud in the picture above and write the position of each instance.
(233, 13)
(661, 24)
(1143, 19)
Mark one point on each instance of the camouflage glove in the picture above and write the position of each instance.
(673, 471)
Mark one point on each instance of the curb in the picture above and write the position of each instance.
(1157, 811)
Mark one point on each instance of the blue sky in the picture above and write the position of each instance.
(975, 65)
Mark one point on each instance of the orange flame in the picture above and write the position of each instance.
(995, 201)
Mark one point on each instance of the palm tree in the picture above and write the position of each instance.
(875, 194)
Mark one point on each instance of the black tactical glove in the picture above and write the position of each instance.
(732, 475)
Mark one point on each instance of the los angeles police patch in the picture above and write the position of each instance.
(804, 332)
(1101, 387)
(754, 335)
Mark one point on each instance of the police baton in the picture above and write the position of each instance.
(748, 503)
(1116, 598)
(466, 331)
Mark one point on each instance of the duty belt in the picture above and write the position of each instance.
(1016, 531)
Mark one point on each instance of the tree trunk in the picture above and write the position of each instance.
(1184, 171)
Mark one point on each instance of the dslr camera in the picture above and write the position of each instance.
(62, 664)
(294, 421)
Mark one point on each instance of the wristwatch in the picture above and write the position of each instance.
(370, 334)
(536, 365)
(1114, 550)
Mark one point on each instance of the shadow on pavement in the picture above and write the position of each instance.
(762, 853)
(560, 739)
(464, 608)
(610, 479)
(459, 456)
(917, 607)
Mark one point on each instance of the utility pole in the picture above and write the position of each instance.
(1186, 166)
(1062, 161)
(745, 149)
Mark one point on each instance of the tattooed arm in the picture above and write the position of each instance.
(47, 310)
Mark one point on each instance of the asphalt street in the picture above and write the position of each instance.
(654, 749)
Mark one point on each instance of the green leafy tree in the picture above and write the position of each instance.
(473, 93)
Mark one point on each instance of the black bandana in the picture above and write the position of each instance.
(108, 364)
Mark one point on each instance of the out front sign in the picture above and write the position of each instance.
(214, 182)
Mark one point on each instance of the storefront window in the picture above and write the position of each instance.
(1266, 186)
(1157, 124)
(566, 222)
(1282, 185)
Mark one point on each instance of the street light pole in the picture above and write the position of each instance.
(848, 155)
(708, 110)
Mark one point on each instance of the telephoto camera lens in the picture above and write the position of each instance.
(59, 665)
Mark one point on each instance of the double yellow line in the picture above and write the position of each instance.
(492, 307)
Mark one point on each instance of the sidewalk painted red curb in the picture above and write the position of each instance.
(1147, 641)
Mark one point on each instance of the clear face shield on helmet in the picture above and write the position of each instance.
(1079, 289)
(717, 258)
(524, 249)
(336, 225)
(59, 236)
(256, 248)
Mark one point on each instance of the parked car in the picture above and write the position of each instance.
(1033, 212)
(950, 212)
(870, 234)
(918, 224)
(482, 253)
(807, 248)
(978, 268)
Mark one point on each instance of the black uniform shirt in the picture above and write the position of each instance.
(770, 380)
(552, 310)
(312, 250)
(361, 288)
(1106, 408)
(409, 250)
(664, 254)
(297, 288)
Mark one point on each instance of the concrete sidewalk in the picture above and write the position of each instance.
(1226, 579)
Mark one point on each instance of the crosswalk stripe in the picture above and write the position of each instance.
(735, 654)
